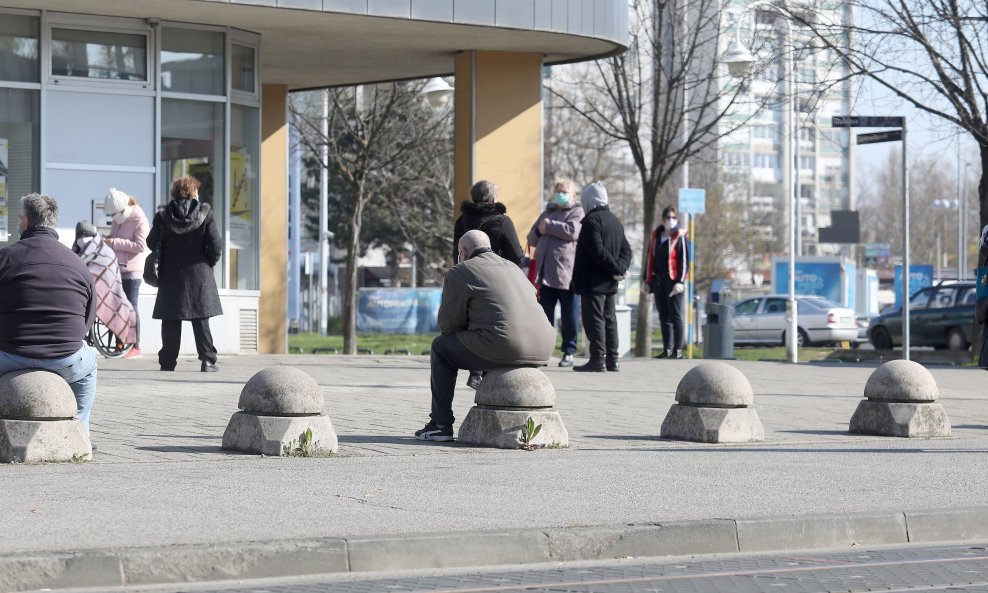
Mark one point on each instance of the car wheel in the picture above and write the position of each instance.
(881, 339)
(956, 340)
(802, 338)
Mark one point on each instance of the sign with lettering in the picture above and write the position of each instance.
(867, 121)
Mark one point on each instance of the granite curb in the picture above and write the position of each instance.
(248, 560)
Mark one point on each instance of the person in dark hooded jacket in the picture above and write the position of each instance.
(483, 212)
(189, 245)
(602, 259)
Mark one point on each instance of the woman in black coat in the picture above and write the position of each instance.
(189, 245)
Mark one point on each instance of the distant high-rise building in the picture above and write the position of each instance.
(750, 160)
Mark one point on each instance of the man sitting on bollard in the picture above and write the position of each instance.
(47, 304)
(489, 319)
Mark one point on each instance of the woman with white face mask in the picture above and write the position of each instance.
(665, 276)
(128, 239)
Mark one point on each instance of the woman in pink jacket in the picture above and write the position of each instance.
(128, 239)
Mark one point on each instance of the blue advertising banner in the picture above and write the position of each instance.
(398, 310)
(822, 279)
(920, 276)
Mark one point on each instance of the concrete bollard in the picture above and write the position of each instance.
(901, 402)
(506, 399)
(713, 406)
(279, 405)
(36, 419)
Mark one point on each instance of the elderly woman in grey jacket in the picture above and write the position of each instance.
(554, 236)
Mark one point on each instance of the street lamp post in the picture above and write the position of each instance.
(945, 204)
(739, 61)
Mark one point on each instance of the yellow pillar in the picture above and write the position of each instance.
(498, 128)
(272, 312)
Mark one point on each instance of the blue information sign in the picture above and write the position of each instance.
(398, 310)
(919, 277)
(692, 201)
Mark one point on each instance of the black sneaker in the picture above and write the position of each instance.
(566, 360)
(612, 365)
(591, 367)
(663, 354)
(435, 432)
(676, 355)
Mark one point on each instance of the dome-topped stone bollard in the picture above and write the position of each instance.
(713, 405)
(281, 415)
(901, 401)
(37, 410)
(505, 401)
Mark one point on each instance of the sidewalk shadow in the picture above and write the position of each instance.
(822, 432)
(623, 437)
(376, 439)
(187, 449)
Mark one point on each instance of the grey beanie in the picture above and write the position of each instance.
(84, 228)
(593, 196)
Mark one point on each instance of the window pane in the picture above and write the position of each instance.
(192, 144)
(19, 134)
(244, 141)
(99, 54)
(243, 68)
(192, 61)
(19, 48)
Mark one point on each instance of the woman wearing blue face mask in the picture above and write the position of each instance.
(554, 236)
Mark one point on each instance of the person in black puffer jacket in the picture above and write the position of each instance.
(189, 244)
(483, 212)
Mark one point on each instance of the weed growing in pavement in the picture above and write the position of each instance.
(305, 446)
(529, 431)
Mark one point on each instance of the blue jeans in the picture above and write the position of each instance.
(78, 370)
(569, 313)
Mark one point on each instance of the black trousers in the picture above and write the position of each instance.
(670, 314)
(171, 338)
(447, 358)
(600, 323)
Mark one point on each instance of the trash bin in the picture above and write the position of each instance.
(718, 333)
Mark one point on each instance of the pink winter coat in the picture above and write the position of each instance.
(555, 251)
(129, 241)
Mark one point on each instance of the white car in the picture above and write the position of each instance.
(762, 320)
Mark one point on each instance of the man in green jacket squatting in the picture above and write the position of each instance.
(489, 319)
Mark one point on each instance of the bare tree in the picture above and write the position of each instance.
(377, 137)
(637, 99)
(933, 54)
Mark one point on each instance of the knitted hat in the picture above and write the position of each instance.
(115, 201)
(84, 228)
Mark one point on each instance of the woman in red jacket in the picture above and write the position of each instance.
(665, 276)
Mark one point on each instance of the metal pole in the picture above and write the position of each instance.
(686, 184)
(797, 185)
(905, 245)
(791, 333)
(960, 216)
(324, 217)
(295, 213)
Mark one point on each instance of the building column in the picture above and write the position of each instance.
(272, 313)
(498, 130)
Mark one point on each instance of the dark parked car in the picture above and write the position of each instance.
(939, 316)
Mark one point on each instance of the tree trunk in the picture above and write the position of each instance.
(350, 296)
(643, 337)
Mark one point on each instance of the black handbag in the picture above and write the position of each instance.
(151, 264)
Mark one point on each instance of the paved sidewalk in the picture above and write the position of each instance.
(160, 478)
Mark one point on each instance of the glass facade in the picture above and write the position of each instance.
(99, 54)
(244, 142)
(192, 61)
(199, 115)
(19, 48)
(19, 134)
